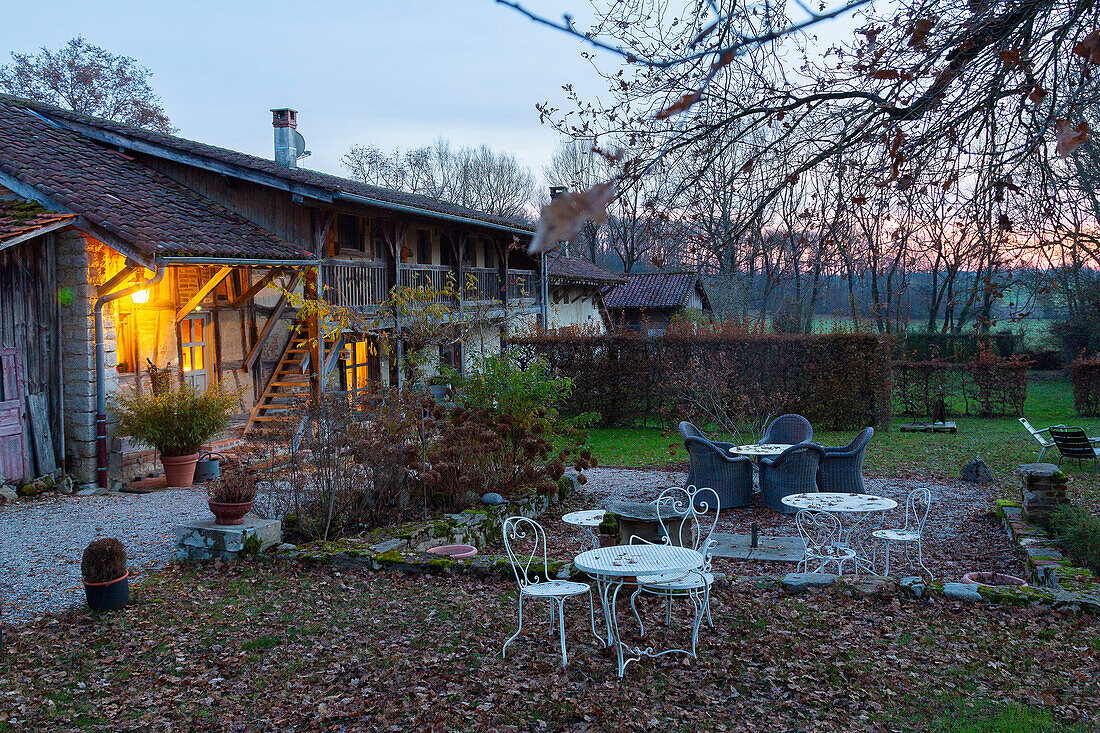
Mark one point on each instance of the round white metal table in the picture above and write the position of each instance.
(757, 451)
(587, 519)
(857, 507)
(613, 567)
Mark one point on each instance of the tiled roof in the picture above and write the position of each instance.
(302, 176)
(657, 290)
(566, 268)
(22, 217)
(144, 208)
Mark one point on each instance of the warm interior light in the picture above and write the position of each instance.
(141, 296)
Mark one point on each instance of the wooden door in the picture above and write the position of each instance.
(195, 352)
(13, 464)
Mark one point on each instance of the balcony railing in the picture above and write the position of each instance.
(436, 277)
(481, 284)
(363, 284)
(523, 284)
(354, 284)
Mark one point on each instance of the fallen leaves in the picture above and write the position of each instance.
(564, 217)
(1068, 139)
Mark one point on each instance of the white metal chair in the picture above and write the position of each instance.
(690, 508)
(917, 505)
(824, 540)
(534, 581)
(1045, 442)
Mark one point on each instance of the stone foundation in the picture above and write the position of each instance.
(1042, 488)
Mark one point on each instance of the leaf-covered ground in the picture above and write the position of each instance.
(276, 646)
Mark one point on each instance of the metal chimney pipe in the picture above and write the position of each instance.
(285, 122)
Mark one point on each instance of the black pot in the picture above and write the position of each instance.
(108, 596)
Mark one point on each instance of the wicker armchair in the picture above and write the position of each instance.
(842, 468)
(712, 467)
(794, 471)
(689, 430)
(789, 429)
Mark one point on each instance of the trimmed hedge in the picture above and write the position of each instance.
(1086, 386)
(953, 347)
(987, 386)
(837, 381)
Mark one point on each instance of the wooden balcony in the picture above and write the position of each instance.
(363, 284)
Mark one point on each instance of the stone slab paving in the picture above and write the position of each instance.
(41, 542)
(770, 548)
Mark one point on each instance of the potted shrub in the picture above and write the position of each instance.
(231, 496)
(106, 580)
(176, 423)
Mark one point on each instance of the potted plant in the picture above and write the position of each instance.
(231, 496)
(176, 423)
(106, 580)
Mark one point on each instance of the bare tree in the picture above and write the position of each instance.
(577, 165)
(89, 80)
(478, 178)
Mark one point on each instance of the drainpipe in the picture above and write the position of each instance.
(101, 372)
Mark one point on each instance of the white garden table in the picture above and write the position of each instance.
(588, 519)
(614, 567)
(756, 451)
(856, 508)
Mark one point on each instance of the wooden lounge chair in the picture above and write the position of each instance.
(1074, 443)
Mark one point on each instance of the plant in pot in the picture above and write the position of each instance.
(176, 423)
(106, 580)
(230, 497)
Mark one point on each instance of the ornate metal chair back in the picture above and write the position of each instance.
(525, 543)
(692, 507)
(917, 505)
(817, 530)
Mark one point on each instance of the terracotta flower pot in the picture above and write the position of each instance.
(455, 552)
(109, 596)
(228, 514)
(179, 470)
(986, 578)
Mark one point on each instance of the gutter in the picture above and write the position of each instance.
(185, 260)
(101, 375)
(355, 198)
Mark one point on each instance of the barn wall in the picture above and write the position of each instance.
(29, 323)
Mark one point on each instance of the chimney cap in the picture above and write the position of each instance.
(284, 117)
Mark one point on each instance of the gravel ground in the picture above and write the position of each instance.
(962, 533)
(41, 542)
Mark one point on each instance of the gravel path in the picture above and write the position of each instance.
(962, 533)
(41, 542)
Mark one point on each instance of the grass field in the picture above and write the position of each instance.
(1001, 442)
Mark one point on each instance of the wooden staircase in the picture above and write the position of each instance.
(289, 386)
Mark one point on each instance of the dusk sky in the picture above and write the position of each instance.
(382, 72)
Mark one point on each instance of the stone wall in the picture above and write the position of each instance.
(81, 265)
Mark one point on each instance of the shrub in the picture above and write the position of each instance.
(839, 381)
(103, 561)
(998, 386)
(236, 485)
(1086, 386)
(1079, 532)
(177, 422)
(953, 347)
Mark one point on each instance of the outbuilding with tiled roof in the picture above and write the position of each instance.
(649, 300)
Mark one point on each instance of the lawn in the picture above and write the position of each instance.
(1000, 442)
(274, 646)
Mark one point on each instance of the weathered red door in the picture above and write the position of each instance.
(12, 458)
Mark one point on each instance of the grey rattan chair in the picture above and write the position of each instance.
(842, 468)
(790, 429)
(713, 467)
(1074, 443)
(689, 430)
(794, 471)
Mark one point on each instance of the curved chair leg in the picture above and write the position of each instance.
(552, 602)
(920, 561)
(592, 614)
(503, 652)
(886, 572)
(561, 630)
(634, 607)
(668, 609)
